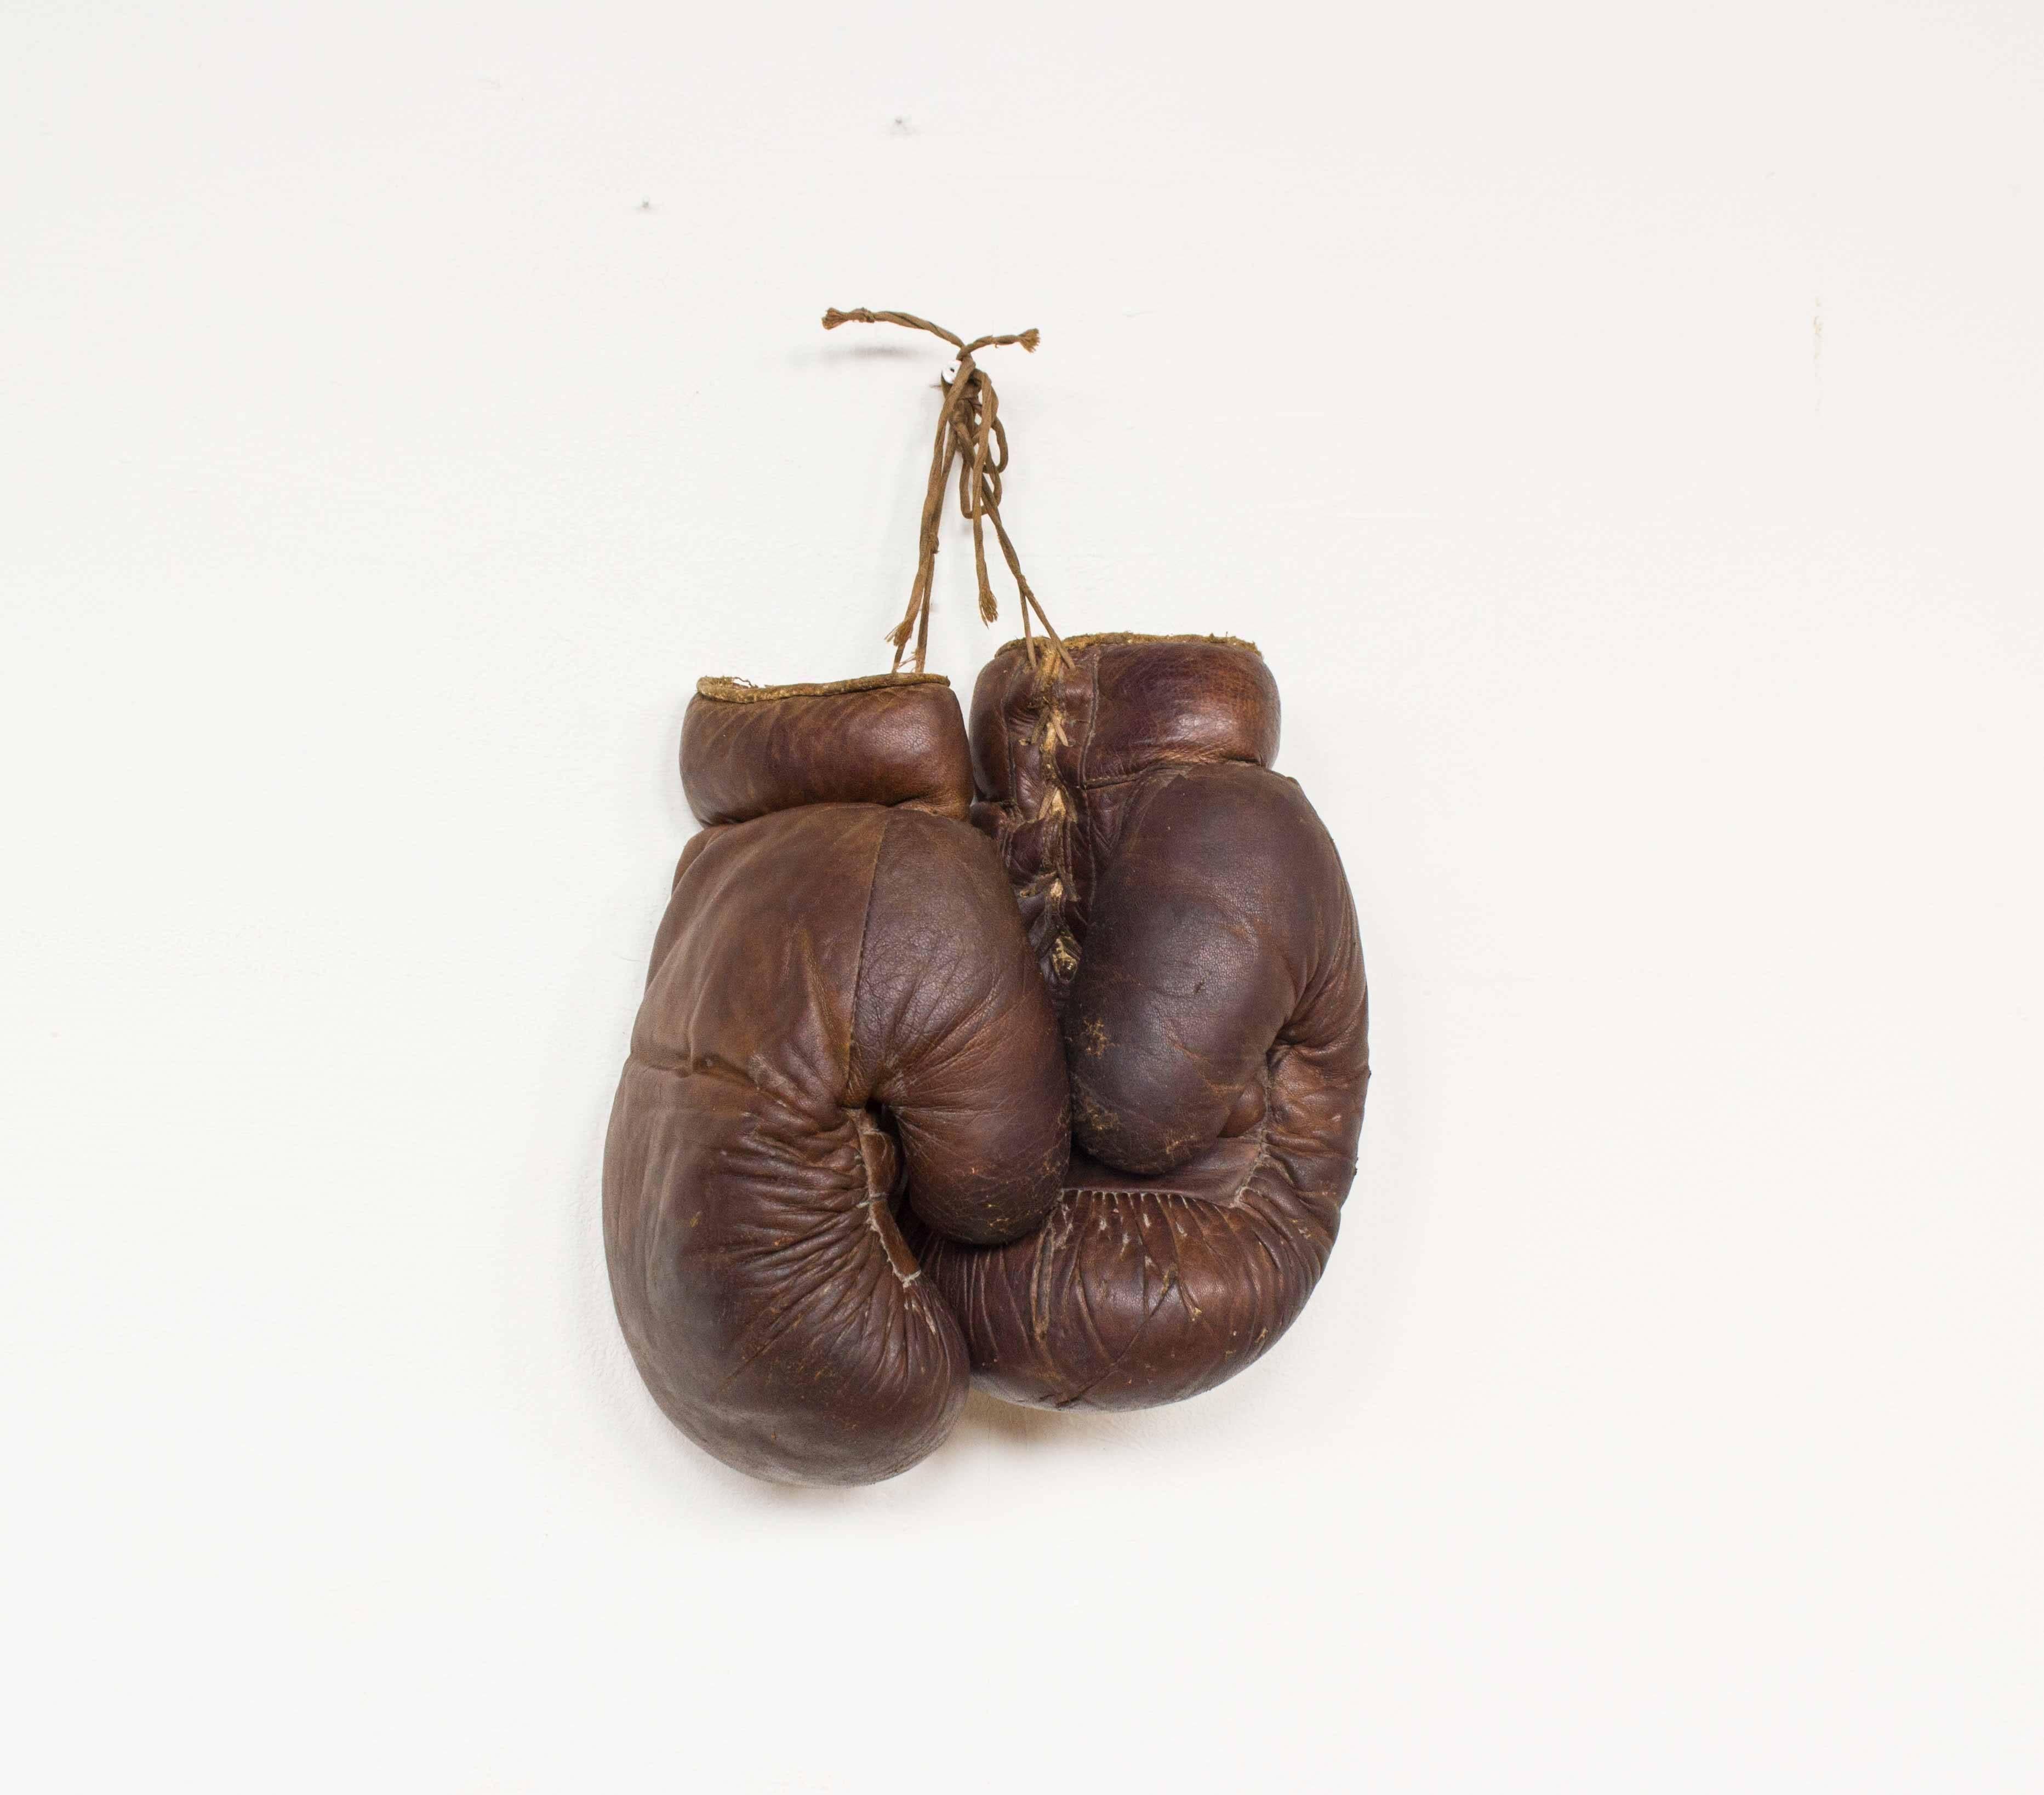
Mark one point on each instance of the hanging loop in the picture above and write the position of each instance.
(970, 433)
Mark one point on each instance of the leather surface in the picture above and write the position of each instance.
(1195, 928)
(889, 744)
(844, 1031)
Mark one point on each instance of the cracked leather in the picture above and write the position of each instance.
(844, 1032)
(1194, 926)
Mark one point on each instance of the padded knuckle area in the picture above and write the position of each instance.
(1193, 926)
(765, 1290)
(954, 1032)
(842, 1020)
(1153, 1126)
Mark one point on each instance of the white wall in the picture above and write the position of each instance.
(1619, 423)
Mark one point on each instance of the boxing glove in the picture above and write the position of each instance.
(843, 1029)
(1194, 926)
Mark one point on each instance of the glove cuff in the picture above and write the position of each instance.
(1121, 705)
(893, 739)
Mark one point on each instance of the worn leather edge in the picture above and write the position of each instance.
(1115, 638)
(730, 689)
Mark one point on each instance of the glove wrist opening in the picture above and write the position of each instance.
(888, 739)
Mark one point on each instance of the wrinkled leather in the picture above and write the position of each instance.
(843, 1031)
(1194, 926)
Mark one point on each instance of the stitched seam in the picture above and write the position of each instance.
(1093, 722)
(858, 971)
(1161, 1196)
(1262, 1141)
(723, 1069)
(853, 1111)
(1109, 782)
(873, 1200)
(1011, 772)
(1232, 1200)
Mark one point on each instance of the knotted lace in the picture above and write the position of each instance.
(970, 433)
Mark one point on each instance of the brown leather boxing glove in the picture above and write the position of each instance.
(1196, 931)
(844, 1028)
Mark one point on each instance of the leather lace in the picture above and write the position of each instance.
(971, 435)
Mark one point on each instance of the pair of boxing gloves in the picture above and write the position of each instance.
(1038, 1060)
